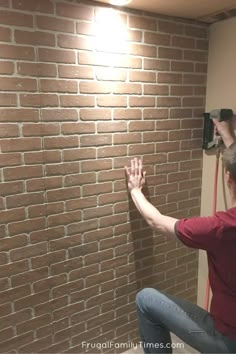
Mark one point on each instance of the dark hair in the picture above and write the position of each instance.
(229, 160)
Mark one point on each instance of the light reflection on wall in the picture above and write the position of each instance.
(111, 32)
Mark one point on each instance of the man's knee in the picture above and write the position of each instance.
(143, 297)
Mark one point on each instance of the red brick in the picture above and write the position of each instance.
(170, 53)
(155, 113)
(181, 90)
(79, 154)
(116, 101)
(6, 67)
(105, 199)
(38, 100)
(96, 189)
(37, 5)
(110, 74)
(42, 157)
(12, 215)
(13, 18)
(142, 101)
(142, 76)
(75, 11)
(36, 211)
(142, 23)
(86, 28)
(102, 59)
(56, 55)
(112, 151)
(59, 115)
(77, 101)
(17, 341)
(28, 251)
(194, 79)
(168, 102)
(9, 188)
(97, 140)
(127, 114)
(170, 27)
(143, 50)
(167, 146)
(9, 130)
(196, 31)
(64, 219)
(193, 101)
(17, 52)
(125, 88)
(141, 149)
(156, 64)
(21, 144)
(18, 84)
(36, 69)
(18, 115)
(182, 66)
(60, 142)
(50, 85)
(24, 200)
(34, 38)
(62, 169)
(48, 259)
(201, 67)
(183, 42)
(94, 87)
(5, 3)
(43, 183)
(195, 55)
(29, 277)
(63, 194)
(75, 42)
(40, 129)
(17, 173)
(127, 138)
(169, 78)
(155, 136)
(95, 114)
(5, 34)
(156, 38)
(75, 72)
(8, 99)
(181, 113)
(111, 127)
(55, 24)
(156, 90)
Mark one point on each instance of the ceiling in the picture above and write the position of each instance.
(201, 10)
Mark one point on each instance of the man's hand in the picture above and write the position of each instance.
(135, 175)
(226, 130)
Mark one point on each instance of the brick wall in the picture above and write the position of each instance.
(78, 100)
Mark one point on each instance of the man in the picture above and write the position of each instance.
(158, 313)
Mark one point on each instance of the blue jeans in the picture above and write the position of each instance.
(159, 314)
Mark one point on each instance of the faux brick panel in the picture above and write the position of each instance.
(73, 112)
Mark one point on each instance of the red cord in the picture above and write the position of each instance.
(207, 295)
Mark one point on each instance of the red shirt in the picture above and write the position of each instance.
(217, 236)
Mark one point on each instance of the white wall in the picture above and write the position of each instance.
(221, 93)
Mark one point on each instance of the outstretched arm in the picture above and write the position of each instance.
(136, 180)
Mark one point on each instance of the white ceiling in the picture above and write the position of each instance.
(203, 10)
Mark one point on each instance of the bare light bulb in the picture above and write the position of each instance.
(120, 2)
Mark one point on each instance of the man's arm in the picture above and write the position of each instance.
(136, 180)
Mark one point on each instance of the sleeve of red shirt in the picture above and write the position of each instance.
(200, 232)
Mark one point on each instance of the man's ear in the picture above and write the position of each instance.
(228, 177)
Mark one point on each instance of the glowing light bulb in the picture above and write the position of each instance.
(120, 2)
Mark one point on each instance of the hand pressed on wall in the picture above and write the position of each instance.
(135, 175)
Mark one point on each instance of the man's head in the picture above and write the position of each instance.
(229, 161)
